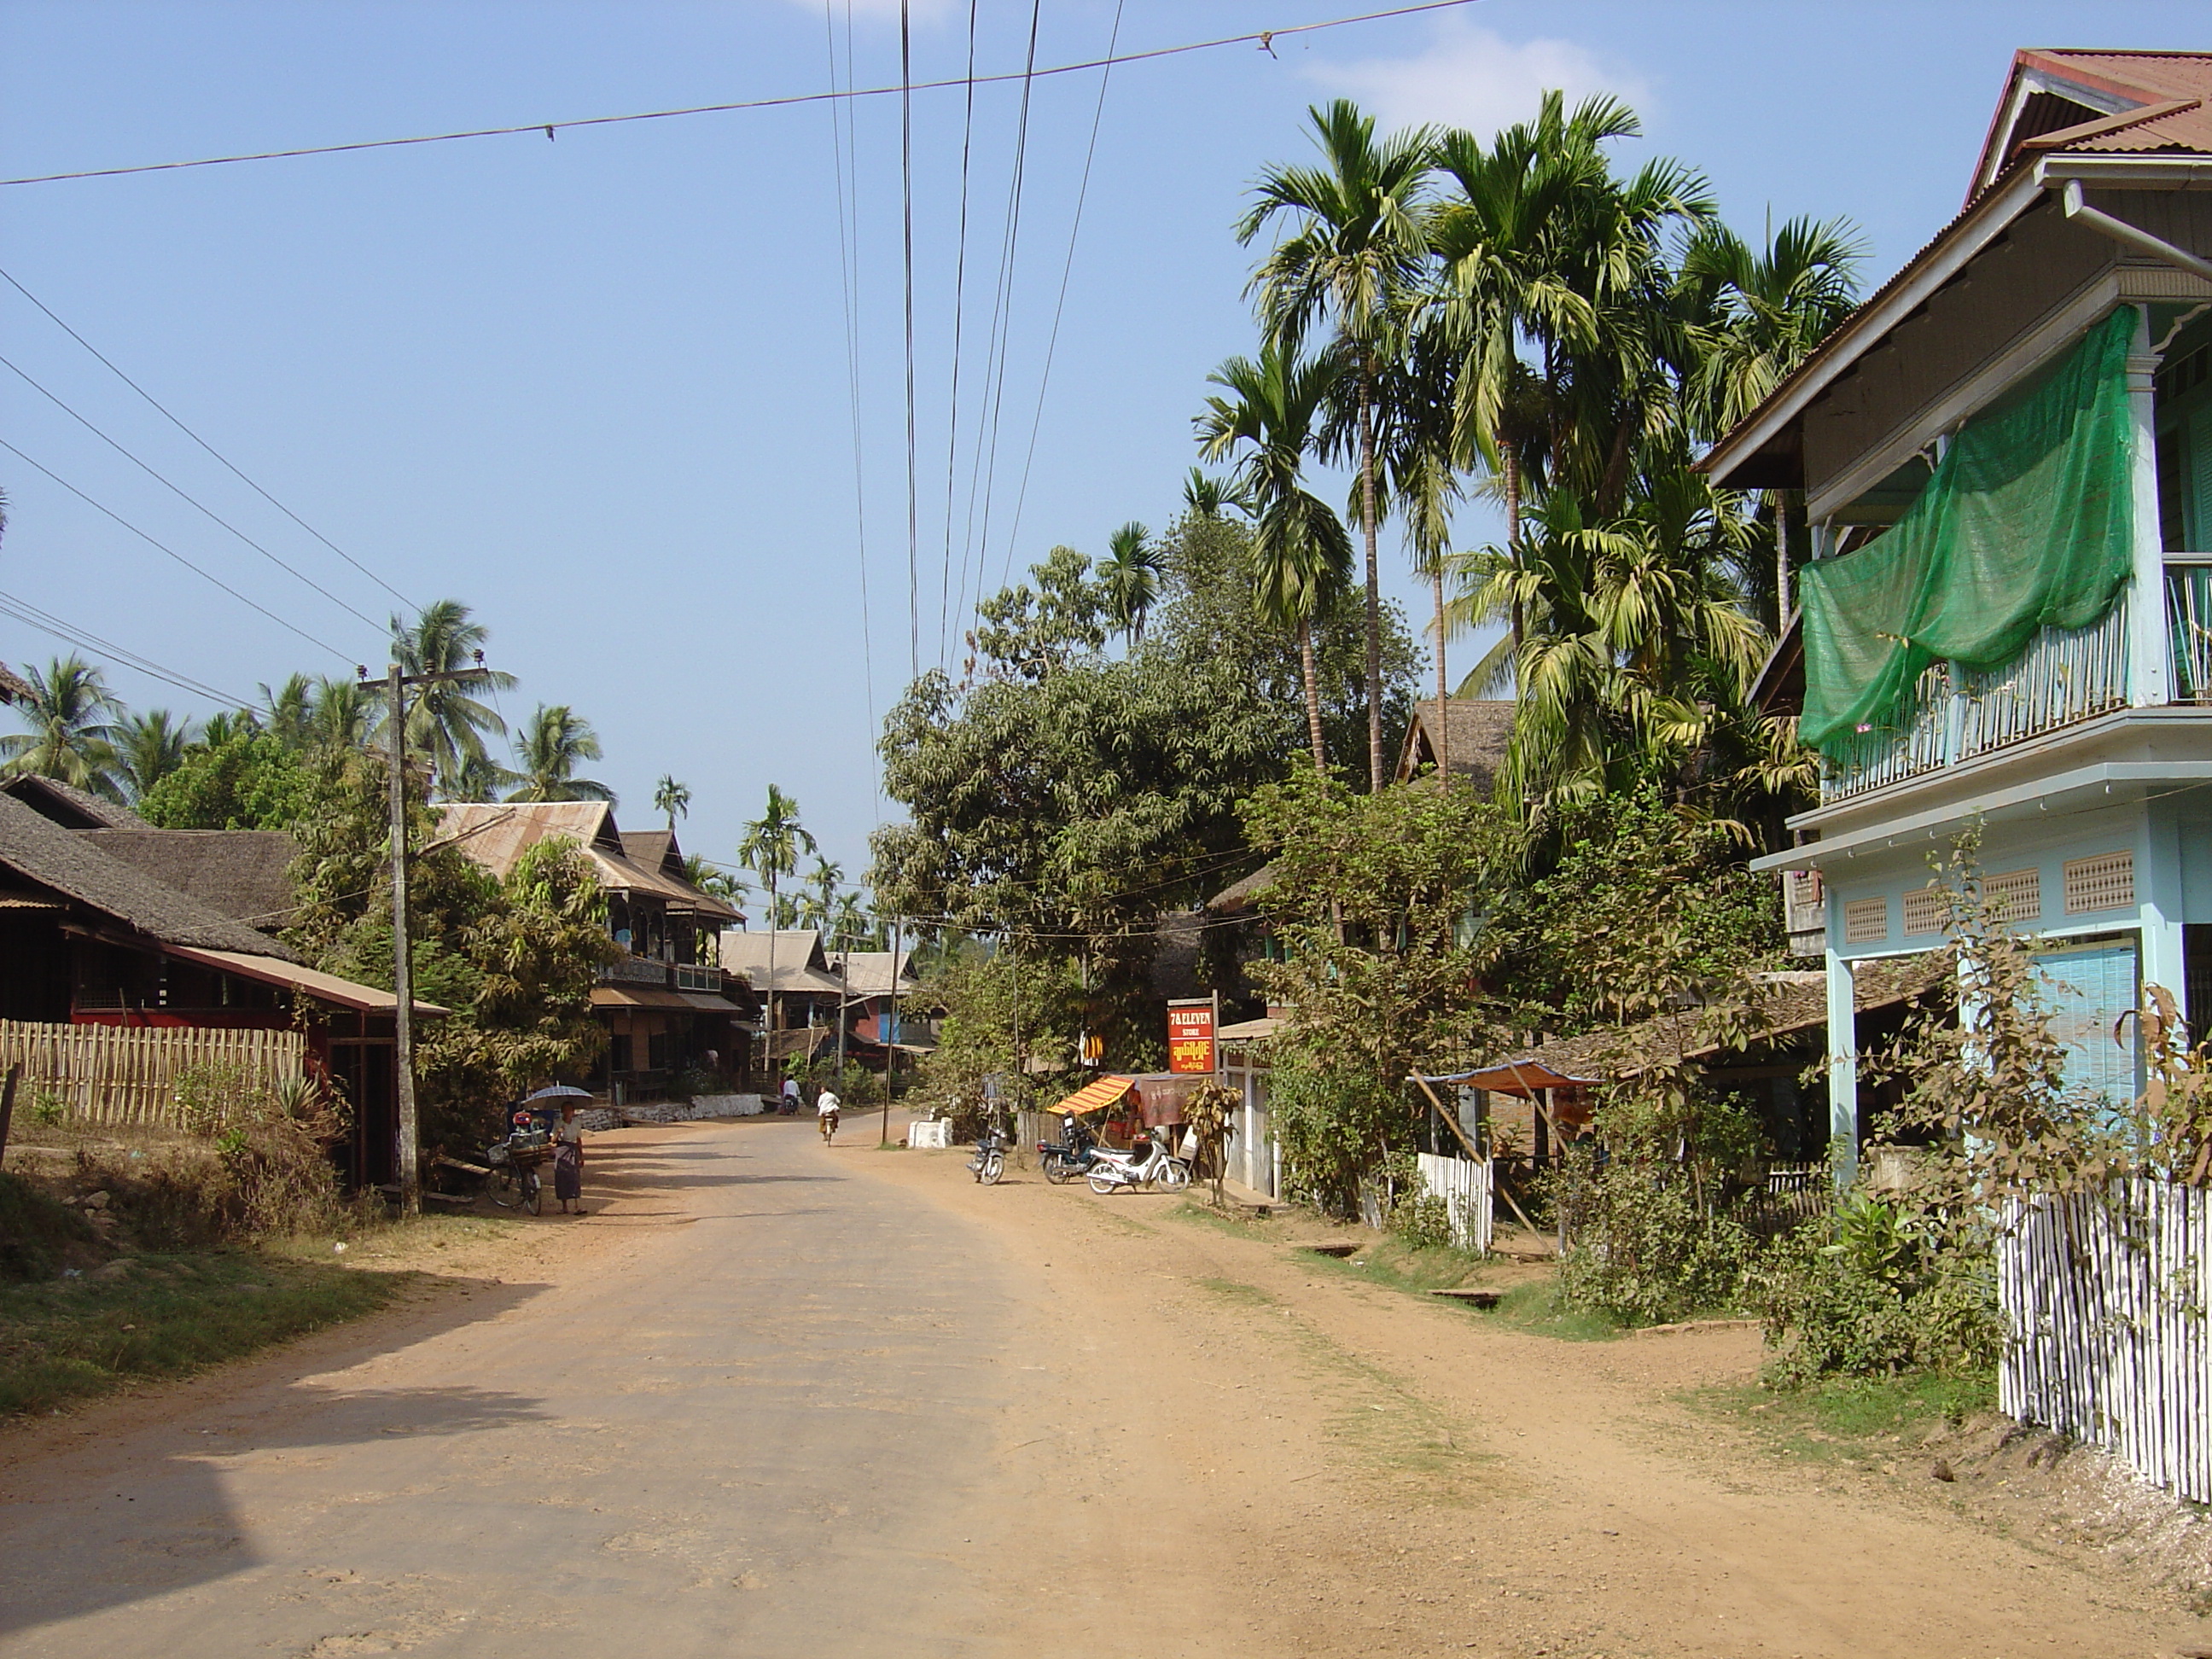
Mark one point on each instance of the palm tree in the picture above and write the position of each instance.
(1206, 496)
(1356, 252)
(344, 715)
(72, 735)
(850, 924)
(823, 883)
(148, 748)
(770, 850)
(547, 753)
(448, 723)
(1764, 312)
(712, 879)
(1130, 574)
(291, 711)
(672, 798)
(1301, 556)
(481, 778)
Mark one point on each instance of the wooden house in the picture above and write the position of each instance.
(2005, 457)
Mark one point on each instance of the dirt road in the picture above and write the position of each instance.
(772, 1400)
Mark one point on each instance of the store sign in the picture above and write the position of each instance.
(1190, 1037)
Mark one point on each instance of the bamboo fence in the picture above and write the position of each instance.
(2106, 1305)
(112, 1074)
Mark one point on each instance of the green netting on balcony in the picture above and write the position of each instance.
(2026, 524)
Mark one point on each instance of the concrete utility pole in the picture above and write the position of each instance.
(402, 962)
(890, 1048)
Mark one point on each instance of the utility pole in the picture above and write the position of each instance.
(402, 963)
(891, 1048)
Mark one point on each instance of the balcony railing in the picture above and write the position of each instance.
(2189, 624)
(635, 970)
(691, 977)
(2065, 675)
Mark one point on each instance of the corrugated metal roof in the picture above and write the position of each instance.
(324, 988)
(496, 834)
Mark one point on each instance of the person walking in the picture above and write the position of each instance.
(568, 1159)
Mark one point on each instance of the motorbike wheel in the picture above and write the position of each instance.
(1056, 1170)
(1104, 1184)
(994, 1165)
(1175, 1174)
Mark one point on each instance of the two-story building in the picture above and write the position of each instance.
(666, 1001)
(2006, 460)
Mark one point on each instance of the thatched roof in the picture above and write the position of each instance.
(69, 805)
(40, 852)
(1478, 730)
(1240, 895)
(244, 874)
(13, 688)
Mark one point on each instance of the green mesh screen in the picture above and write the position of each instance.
(2026, 524)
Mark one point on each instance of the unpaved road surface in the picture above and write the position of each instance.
(770, 1400)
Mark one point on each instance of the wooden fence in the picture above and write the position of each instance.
(2106, 1305)
(111, 1074)
(1463, 1183)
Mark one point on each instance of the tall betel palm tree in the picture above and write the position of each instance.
(671, 799)
(148, 748)
(770, 850)
(1356, 255)
(72, 735)
(446, 722)
(1130, 574)
(1301, 556)
(546, 755)
(822, 885)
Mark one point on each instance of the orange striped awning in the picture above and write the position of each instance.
(1096, 1096)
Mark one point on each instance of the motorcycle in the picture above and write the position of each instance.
(1145, 1165)
(1069, 1157)
(990, 1160)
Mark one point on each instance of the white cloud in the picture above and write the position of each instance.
(1474, 78)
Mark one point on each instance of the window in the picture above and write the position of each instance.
(618, 1052)
(2106, 881)
(1866, 921)
(2184, 444)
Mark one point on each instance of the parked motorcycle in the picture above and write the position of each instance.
(1144, 1165)
(1070, 1156)
(990, 1160)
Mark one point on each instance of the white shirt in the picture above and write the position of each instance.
(791, 1088)
(827, 1104)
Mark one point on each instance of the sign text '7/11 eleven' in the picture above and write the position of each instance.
(1190, 1034)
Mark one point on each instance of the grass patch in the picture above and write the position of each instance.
(148, 1317)
(1233, 1290)
(1861, 1421)
(1532, 1306)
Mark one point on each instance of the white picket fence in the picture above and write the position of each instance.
(1464, 1185)
(2105, 1304)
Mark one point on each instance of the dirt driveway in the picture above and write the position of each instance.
(774, 1400)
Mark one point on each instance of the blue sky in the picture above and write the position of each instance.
(598, 387)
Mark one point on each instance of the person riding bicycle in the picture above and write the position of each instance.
(826, 1108)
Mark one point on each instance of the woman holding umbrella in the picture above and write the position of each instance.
(568, 1145)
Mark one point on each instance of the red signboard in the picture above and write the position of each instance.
(1190, 1035)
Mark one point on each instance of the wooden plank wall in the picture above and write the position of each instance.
(2107, 1307)
(109, 1074)
(1463, 1183)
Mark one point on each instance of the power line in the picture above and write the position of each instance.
(906, 207)
(1261, 38)
(208, 446)
(986, 459)
(165, 548)
(23, 610)
(960, 315)
(1068, 266)
(181, 494)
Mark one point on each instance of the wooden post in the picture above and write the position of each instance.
(403, 977)
(8, 1106)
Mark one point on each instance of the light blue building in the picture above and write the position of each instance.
(2006, 457)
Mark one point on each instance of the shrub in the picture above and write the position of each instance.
(1423, 1220)
(1644, 1249)
(48, 1109)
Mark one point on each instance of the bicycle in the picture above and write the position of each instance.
(829, 1129)
(512, 1183)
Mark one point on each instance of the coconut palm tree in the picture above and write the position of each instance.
(1763, 311)
(852, 926)
(1130, 574)
(448, 723)
(712, 879)
(770, 850)
(1357, 252)
(481, 778)
(291, 711)
(551, 745)
(1301, 556)
(672, 798)
(344, 715)
(148, 748)
(72, 735)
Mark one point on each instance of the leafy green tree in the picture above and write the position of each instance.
(72, 736)
(1301, 558)
(1026, 633)
(672, 798)
(446, 720)
(554, 742)
(242, 779)
(1356, 257)
(1130, 575)
(148, 748)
